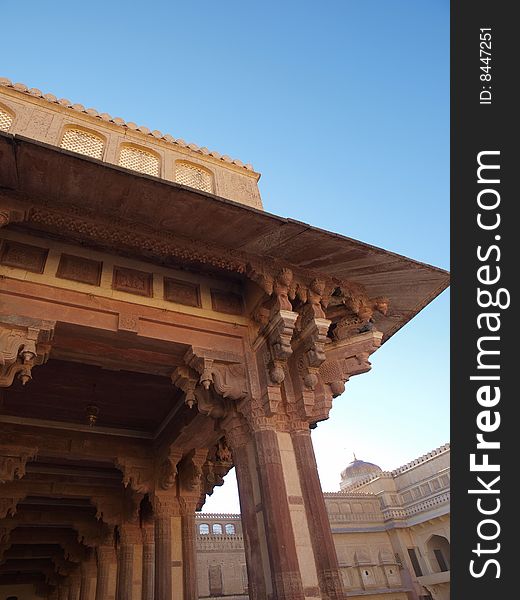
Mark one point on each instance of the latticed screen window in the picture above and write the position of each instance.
(83, 142)
(194, 177)
(139, 160)
(5, 120)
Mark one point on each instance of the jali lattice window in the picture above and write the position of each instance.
(83, 142)
(204, 529)
(139, 160)
(5, 120)
(193, 176)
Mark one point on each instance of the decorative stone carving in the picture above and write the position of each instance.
(132, 281)
(13, 460)
(138, 474)
(227, 302)
(78, 268)
(186, 379)
(352, 311)
(21, 348)
(23, 256)
(168, 469)
(182, 292)
(190, 471)
(222, 370)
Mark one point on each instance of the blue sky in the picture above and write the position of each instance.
(343, 106)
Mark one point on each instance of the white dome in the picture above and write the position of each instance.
(356, 471)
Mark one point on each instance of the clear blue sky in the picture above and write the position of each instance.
(342, 106)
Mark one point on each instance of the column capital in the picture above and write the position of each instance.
(106, 553)
(165, 504)
(130, 534)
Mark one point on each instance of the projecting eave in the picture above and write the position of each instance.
(91, 202)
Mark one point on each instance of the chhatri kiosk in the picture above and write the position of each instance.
(157, 328)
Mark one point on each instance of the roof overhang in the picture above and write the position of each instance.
(37, 179)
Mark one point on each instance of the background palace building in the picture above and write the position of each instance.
(391, 531)
(158, 328)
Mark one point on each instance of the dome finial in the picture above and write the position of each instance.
(354, 454)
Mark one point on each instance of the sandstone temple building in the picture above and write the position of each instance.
(391, 531)
(157, 328)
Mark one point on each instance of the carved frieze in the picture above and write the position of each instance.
(227, 302)
(23, 256)
(182, 292)
(132, 281)
(78, 268)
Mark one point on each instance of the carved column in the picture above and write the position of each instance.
(286, 571)
(189, 551)
(168, 548)
(130, 567)
(88, 579)
(330, 582)
(64, 591)
(189, 490)
(148, 561)
(257, 560)
(75, 585)
(107, 573)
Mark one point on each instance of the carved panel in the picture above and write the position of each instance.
(133, 281)
(79, 269)
(23, 256)
(227, 302)
(182, 292)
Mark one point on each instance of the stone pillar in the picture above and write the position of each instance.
(63, 591)
(257, 560)
(189, 551)
(75, 585)
(88, 579)
(286, 571)
(148, 561)
(130, 563)
(325, 557)
(107, 573)
(168, 549)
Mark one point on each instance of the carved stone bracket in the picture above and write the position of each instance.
(344, 359)
(167, 472)
(137, 473)
(190, 472)
(205, 371)
(13, 460)
(23, 347)
(352, 311)
(216, 467)
(313, 339)
(279, 332)
(9, 502)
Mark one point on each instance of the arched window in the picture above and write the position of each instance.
(193, 176)
(6, 119)
(83, 142)
(230, 529)
(204, 529)
(217, 528)
(139, 159)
